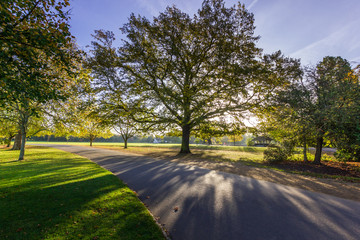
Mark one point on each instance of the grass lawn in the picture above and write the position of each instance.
(210, 152)
(250, 156)
(58, 195)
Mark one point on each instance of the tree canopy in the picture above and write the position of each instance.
(37, 58)
(183, 71)
(321, 106)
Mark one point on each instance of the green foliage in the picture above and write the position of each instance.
(349, 153)
(35, 37)
(58, 195)
(320, 109)
(250, 141)
(38, 58)
(274, 154)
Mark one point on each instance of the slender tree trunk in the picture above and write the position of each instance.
(91, 141)
(185, 141)
(305, 149)
(23, 140)
(23, 128)
(17, 142)
(209, 141)
(319, 143)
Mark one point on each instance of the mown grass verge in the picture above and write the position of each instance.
(58, 195)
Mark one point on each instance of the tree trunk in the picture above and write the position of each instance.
(23, 127)
(9, 141)
(17, 142)
(125, 142)
(185, 140)
(209, 141)
(319, 143)
(305, 149)
(23, 139)
(91, 141)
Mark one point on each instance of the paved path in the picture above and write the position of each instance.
(217, 205)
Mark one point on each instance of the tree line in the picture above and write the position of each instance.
(177, 74)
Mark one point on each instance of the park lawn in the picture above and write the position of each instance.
(58, 195)
(160, 145)
(210, 152)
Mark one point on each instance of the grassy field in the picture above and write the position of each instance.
(162, 145)
(57, 195)
(211, 152)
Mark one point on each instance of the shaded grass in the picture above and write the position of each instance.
(59, 195)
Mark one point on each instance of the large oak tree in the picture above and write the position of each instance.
(183, 71)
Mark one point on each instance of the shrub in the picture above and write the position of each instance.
(351, 153)
(250, 142)
(274, 154)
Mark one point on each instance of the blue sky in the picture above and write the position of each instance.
(306, 29)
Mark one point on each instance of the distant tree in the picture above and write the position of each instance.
(91, 129)
(288, 117)
(8, 128)
(211, 129)
(126, 128)
(184, 71)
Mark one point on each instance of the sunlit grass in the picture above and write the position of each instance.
(248, 155)
(161, 145)
(243, 154)
(57, 195)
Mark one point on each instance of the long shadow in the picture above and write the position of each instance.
(196, 203)
(36, 211)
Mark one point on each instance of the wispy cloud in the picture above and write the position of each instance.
(152, 7)
(355, 60)
(338, 43)
(252, 4)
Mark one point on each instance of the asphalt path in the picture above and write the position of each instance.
(197, 203)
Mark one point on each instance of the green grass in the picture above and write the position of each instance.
(58, 195)
(247, 155)
(250, 156)
(163, 145)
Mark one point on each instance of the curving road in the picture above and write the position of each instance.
(196, 203)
